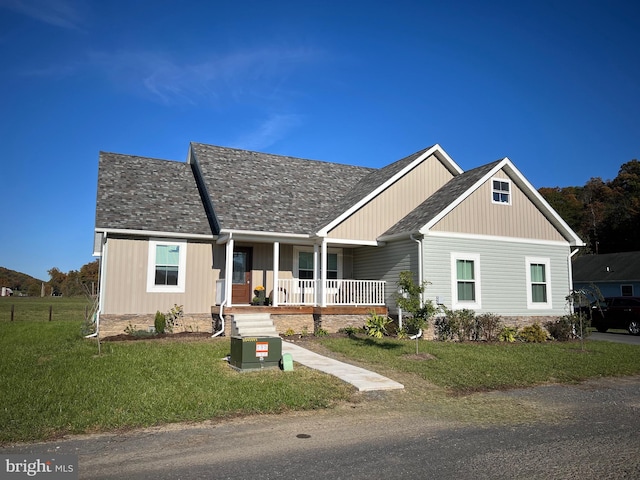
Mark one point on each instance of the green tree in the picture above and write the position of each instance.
(409, 299)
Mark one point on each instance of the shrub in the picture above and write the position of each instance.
(488, 326)
(376, 325)
(290, 332)
(160, 322)
(532, 334)
(456, 325)
(508, 334)
(321, 332)
(351, 331)
(568, 327)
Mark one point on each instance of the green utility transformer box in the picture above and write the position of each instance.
(254, 353)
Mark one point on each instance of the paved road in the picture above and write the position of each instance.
(616, 337)
(586, 431)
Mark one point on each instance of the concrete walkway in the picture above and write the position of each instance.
(362, 379)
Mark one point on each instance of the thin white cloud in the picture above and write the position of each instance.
(269, 132)
(236, 76)
(59, 13)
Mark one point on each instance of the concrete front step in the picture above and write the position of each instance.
(253, 325)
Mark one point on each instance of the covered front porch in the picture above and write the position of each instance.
(260, 270)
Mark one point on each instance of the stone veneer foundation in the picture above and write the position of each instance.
(116, 324)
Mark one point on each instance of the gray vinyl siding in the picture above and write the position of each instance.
(386, 263)
(503, 281)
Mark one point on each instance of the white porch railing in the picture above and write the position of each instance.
(336, 292)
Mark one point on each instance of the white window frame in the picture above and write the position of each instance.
(547, 271)
(493, 190)
(296, 260)
(455, 303)
(151, 266)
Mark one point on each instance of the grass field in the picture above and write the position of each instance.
(54, 382)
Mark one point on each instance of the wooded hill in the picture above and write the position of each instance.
(20, 282)
(72, 283)
(605, 214)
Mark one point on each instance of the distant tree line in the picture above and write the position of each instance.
(75, 282)
(605, 214)
(70, 284)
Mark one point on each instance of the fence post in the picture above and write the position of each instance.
(50, 311)
(12, 307)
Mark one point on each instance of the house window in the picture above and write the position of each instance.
(626, 290)
(303, 263)
(501, 191)
(538, 283)
(465, 280)
(166, 266)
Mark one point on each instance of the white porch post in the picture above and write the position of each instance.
(228, 272)
(316, 259)
(323, 273)
(276, 272)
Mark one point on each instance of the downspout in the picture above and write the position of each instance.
(221, 315)
(102, 263)
(228, 278)
(569, 257)
(420, 276)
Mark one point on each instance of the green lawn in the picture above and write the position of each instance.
(476, 366)
(53, 382)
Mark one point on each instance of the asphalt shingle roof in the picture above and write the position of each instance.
(137, 193)
(249, 191)
(440, 200)
(263, 192)
(624, 266)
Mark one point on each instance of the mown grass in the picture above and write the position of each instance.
(468, 367)
(53, 382)
(36, 309)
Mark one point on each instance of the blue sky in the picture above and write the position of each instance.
(553, 85)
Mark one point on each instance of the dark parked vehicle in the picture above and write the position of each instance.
(617, 312)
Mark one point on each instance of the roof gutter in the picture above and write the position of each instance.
(153, 233)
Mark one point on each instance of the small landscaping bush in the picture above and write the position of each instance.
(532, 334)
(464, 325)
(376, 325)
(351, 331)
(508, 334)
(568, 327)
(489, 326)
(160, 322)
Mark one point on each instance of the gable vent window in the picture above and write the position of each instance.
(501, 191)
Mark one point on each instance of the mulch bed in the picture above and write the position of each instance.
(181, 336)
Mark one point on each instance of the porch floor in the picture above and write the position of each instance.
(304, 309)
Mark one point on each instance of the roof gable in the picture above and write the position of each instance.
(379, 180)
(460, 188)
